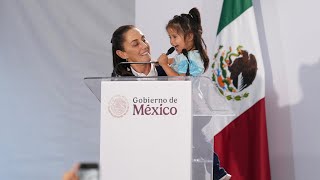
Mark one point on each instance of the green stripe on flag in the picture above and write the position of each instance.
(232, 9)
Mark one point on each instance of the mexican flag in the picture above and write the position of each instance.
(237, 71)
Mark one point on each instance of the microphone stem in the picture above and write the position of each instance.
(114, 72)
(188, 69)
(151, 62)
(185, 53)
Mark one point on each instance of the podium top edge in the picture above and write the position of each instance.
(150, 78)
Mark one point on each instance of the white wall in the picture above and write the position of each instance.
(49, 119)
(289, 34)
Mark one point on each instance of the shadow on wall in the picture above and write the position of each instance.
(305, 123)
(279, 122)
(300, 122)
(280, 138)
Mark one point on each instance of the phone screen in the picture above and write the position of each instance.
(89, 171)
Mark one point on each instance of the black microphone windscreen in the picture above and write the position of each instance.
(185, 52)
(170, 51)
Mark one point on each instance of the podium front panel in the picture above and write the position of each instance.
(146, 130)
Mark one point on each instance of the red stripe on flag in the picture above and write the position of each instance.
(242, 146)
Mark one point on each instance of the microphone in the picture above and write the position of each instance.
(170, 51)
(185, 53)
(114, 72)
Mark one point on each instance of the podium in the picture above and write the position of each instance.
(152, 128)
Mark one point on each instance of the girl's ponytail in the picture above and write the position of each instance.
(200, 45)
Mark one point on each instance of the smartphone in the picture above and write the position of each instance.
(89, 171)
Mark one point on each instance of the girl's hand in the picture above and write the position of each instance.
(163, 60)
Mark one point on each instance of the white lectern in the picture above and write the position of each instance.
(151, 127)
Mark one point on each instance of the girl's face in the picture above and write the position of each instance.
(178, 41)
(136, 47)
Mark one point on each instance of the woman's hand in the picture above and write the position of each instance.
(72, 173)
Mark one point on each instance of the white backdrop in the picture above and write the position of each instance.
(49, 119)
(292, 35)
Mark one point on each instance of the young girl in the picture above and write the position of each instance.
(185, 33)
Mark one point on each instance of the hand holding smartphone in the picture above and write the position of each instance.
(88, 171)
